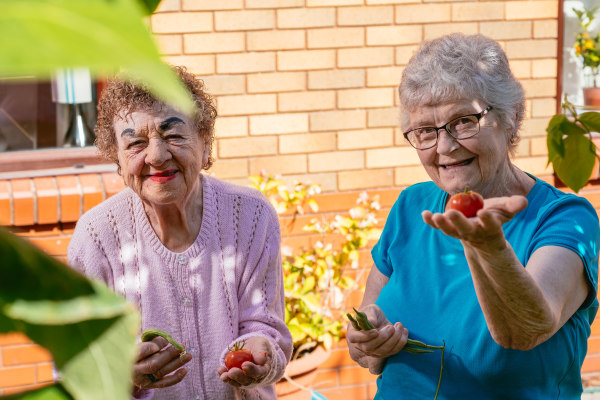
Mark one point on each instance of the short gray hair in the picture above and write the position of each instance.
(458, 67)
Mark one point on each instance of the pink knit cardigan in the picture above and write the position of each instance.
(227, 286)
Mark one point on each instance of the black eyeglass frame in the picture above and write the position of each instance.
(445, 127)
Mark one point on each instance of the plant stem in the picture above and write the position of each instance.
(426, 346)
(441, 371)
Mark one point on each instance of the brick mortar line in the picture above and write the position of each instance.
(11, 201)
(35, 201)
(80, 188)
(58, 200)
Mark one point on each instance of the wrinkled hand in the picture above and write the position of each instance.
(155, 359)
(251, 372)
(382, 342)
(484, 230)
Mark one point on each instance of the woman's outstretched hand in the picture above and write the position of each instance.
(252, 372)
(484, 230)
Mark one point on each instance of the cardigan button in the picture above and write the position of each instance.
(182, 259)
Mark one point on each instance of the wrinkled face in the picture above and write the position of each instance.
(160, 154)
(480, 162)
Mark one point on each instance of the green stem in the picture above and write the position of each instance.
(441, 371)
(361, 322)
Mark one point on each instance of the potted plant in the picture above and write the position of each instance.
(319, 278)
(587, 48)
(571, 147)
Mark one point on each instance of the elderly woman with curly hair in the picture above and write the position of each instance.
(511, 291)
(200, 258)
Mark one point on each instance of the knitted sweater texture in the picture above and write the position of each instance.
(227, 286)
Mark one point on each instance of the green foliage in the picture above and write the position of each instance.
(570, 148)
(315, 279)
(106, 36)
(53, 392)
(150, 6)
(587, 45)
(89, 330)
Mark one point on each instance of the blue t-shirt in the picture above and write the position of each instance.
(430, 291)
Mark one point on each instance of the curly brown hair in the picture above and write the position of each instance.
(123, 96)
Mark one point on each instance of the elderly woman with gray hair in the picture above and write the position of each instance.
(511, 291)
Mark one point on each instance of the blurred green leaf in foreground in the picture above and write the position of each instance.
(90, 331)
(106, 36)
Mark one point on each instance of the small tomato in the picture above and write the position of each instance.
(237, 356)
(467, 202)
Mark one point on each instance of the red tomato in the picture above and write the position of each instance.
(237, 356)
(467, 202)
(235, 359)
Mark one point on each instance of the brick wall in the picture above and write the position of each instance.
(306, 89)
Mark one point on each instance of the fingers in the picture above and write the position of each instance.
(507, 205)
(354, 336)
(248, 375)
(485, 226)
(151, 382)
(225, 378)
(156, 369)
(380, 343)
(375, 315)
(171, 366)
(251, 372)
(146, 349)
(260, 349)
(260, 357)
(255, 371)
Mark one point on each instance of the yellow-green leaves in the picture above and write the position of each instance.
(106, 36)
(316, 279)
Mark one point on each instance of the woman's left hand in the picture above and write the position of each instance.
(251, 372)
(482, 231)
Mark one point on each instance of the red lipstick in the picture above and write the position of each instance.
(163, 176)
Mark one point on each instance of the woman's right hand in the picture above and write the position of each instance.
(380, 343)
(155, 363)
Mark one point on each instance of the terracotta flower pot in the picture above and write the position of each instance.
(591, 96)
(302, 371)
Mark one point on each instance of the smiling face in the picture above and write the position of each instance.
(160, 154)
(480, 162)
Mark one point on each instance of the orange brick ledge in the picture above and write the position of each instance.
(55, 196)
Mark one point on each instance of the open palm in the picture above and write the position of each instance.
(485, 229)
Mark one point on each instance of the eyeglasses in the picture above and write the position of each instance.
(459, 128)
